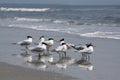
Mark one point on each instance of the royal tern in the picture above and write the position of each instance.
(85, 50)
(61, 49)
(69, 45)
(49, 43)
(40, 49)
(25, 42)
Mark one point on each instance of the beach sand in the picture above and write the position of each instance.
(105, 58)
(10, 72)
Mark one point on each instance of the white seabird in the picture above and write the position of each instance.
(41, 39)
(85, 50)
(41, 48)
(61, 49)
(49, 43)
(25, 42)
(61, 41)
(69, 45)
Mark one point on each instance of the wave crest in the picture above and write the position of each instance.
(112, 35)
(32, 19)
(97, 34)
(25, 9)
(68, 22)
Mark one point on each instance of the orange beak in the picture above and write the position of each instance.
(48, 46)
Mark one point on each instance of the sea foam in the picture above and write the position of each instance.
(99, 34)
(25, 9)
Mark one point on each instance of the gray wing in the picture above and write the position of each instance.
(25, 43)
(78, 47)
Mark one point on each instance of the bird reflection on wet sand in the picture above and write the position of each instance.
(36, 63)
(23, 54)
(46, 60)
(41, 62)
(63, 62)
(84, 63)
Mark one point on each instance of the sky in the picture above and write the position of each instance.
(68, 2)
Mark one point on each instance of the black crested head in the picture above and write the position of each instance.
(44, 43)
(62, 39)
(63, 43)
(50, 39)
(89, 44)
(29, 36)
(41, 37)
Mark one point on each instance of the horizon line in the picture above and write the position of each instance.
(66, 4)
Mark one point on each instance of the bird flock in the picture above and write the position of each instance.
(44, 47)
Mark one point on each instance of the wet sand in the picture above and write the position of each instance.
(10, 72)
(15, 72)
(105, 58)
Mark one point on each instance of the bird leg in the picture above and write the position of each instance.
(59, 55)
(88, 57)
(65, 54)
(47, 50)
(84, 57)
(26, 47)
(39, 56)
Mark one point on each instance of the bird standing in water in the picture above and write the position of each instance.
(39, 49)
(61, 50)
(85, 50)
(49, 43)
(25, 42)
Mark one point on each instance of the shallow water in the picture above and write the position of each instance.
(105, 59)
(77, 24)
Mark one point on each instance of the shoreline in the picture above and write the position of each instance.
(14, 72)
(102, 58)
(11, 71)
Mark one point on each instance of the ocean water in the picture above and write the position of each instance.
(88, 21)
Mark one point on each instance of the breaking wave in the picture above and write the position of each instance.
(50, 20)
(112, 35)
(70, 19)
(25, 9)
(32, 19)
(97, 34)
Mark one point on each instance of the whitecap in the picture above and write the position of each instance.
(25, 9)
(99, 34)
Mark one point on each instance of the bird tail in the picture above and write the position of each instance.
(73, 47)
